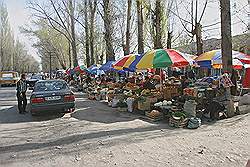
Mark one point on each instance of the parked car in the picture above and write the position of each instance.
(52, 95)
(8, 78)
(33, 79)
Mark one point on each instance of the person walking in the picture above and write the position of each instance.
(21, 94)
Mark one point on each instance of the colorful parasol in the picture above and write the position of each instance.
(124, 62)
(214, 57)
(237, 64)
(162, 58)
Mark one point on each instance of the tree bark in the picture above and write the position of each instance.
(93, 56)
(169, 40)
(226, 36)
(110, 55)
(88, 61)
(127, 45)
(72, 28)
(140, 32)
(199, 43)
(157, 24)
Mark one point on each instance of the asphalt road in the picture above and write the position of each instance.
(97, 135)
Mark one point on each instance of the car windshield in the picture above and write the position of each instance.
(36, 77)
(7, 75)
(50, 86)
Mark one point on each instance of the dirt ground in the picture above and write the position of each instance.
(99, 136)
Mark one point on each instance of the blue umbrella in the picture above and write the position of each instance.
(107, 66)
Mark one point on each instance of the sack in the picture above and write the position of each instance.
(190, 108)
(194, 123)
(115, 102)
(130, 103)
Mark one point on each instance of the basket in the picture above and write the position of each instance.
(178, 123)
(154, 118)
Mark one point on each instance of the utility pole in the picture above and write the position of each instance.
(226, 36)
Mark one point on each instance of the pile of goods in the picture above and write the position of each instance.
(154, 115)
(178, 120)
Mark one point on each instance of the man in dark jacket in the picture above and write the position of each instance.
(21, 94)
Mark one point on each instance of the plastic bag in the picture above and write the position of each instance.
(194, 123)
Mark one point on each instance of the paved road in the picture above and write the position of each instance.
(96, 135)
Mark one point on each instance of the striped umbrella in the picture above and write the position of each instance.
(214, 57)
(124, 62)
(162, 58)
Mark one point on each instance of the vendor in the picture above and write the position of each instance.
(184, 82)
(157, 81)
(148, 84)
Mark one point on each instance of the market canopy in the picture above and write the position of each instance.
(162, 58)
(214, 57)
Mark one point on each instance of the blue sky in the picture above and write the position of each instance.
(19, 16)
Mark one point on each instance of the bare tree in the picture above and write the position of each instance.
(93, 6)
(226, 36)
(72, 28)
(57, 15)
(110, 55)
(140, 26)
(87, 38)
(195, 23)
(127, 45)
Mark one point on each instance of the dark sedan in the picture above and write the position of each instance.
(52, 95)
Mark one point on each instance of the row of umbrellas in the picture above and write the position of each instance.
(162, 58)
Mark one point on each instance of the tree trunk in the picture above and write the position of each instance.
(226, 36)
(91, 35)
(169, 40)
(70, 61)
(199, 43)
(140, 27)
(157, 24)
(72, 28)
(127, 45)
(110, 55)
(88, 62)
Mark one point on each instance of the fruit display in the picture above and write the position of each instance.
(131, 86)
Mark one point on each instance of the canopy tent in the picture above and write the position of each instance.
(246, 79)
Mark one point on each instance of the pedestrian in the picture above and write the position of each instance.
(21, 94)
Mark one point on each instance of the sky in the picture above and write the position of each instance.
(19, 15)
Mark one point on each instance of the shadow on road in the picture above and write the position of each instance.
(94, 111)
(11, 115)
